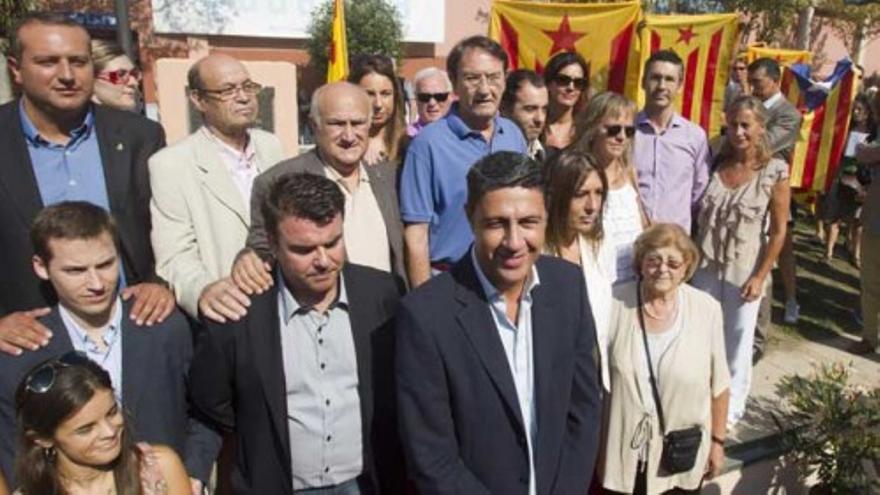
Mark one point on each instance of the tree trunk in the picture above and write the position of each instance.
(805, 19)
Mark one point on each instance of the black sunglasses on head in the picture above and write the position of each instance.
(614, 130)
(426, 97)
(41, 379)
(563, 80)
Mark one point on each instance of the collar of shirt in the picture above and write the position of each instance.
(769, 102)
(32, 134)
(492, 293)
(109, 334)
(460, 129)
(336, 177)
(643, 122)
(290, 307)
(536, 148)
(242, 159)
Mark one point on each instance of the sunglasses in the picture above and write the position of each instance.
(120, 76)
(427, 97)
(614, 130)
(580, 83)
(658, 261)
(42, 378)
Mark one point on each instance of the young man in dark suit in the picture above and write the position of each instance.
(496, 384)
(57, 146)
(75, 252)
(305, 380)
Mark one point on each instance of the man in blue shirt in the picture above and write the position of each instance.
(433, 188)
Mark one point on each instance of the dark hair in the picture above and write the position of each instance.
(563, 60)
(564, 174)
(500, 170)
(770, 66)
(312, 197)
(40, 414)
(69, 220)
(515, 80)
(871, 122)
(477, 42)
(668, 56)
(45, 18)
(395, 129)
(194, 76)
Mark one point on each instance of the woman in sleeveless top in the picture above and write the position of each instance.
(606, 131)
(567, 77)
(74, 438)
(746, 185)
(576, 192)
(375, 73)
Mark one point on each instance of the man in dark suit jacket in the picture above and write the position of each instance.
(340, 119)
(305, 380)
(77, 255)
(57, 146)
(497, 389)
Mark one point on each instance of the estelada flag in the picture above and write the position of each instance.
(784, 56)
(337, 61)
(706, 44)
(825, 106)
(603, 33)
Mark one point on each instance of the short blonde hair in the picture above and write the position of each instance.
(663, 235)
(103, 51)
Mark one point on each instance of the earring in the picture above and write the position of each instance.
(49, 454)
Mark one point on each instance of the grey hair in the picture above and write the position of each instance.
(315, 115)
(431, 72)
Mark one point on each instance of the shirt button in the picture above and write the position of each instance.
(329, 437)
(327, 402)
(327, 469)
(322, 365)
(320, 341)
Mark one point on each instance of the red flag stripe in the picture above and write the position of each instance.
(510, 42)
(690, 77)
(655, 42)
(539, 69)
(709, 82)
(841, 122)
(814, 144)
(619, 59)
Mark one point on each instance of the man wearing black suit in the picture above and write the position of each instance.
(75, 246)
(496, 383)
(57, 146)
(305, 379)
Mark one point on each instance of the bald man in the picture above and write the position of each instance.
(202, 188)
(340, 119)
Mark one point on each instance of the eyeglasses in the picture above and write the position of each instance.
(614, 130)
(120, 76)
(249, 88)
(42, 378)
(580, 83)
(473, 79)
(654, 261)
(427, 97)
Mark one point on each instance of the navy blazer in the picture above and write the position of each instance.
(155, 363)
(238, 385)
(461, 426)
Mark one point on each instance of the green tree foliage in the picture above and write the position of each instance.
(372, 27)
(10, 11)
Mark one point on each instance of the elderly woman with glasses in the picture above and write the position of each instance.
(117, 80)
(74, 438)
(567, 77)
(669, 374)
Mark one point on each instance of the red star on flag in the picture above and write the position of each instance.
(686, 34)
(563, 38)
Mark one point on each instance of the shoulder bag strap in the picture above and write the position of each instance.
(654, 390)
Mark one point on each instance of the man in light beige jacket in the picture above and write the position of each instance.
(201, 189)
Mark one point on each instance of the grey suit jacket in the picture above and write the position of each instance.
(383, 181)
(155, 363)
(783, 126)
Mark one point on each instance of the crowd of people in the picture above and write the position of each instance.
(527, 287)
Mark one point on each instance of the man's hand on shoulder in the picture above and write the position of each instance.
(223, 300)
(250, 273)
(21, 331)
(153, 302)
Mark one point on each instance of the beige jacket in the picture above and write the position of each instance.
(200, 221)
(693, 372)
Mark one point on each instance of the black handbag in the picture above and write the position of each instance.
(680, 447)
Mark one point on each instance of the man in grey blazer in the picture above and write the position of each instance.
(340, 117)
(75, 246)
(202, 189)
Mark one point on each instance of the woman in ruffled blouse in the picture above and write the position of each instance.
(746, 186)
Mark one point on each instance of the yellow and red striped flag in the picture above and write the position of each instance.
(782, 55)
(337, 61)
(706, 44)
(603, 33)
(826, 111)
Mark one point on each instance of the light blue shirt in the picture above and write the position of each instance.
(109, 358)
(433, 183)
(516, 338)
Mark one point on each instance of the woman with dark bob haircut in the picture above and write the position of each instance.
(375, 73)
(74, 437)
(567, 77)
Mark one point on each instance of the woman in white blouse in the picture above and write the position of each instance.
(682, 338)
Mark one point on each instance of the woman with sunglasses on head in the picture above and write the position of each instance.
(117, 80)
(375, 73)
(567, 78)
(747, 185)
(74, 439)
(605, 130)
